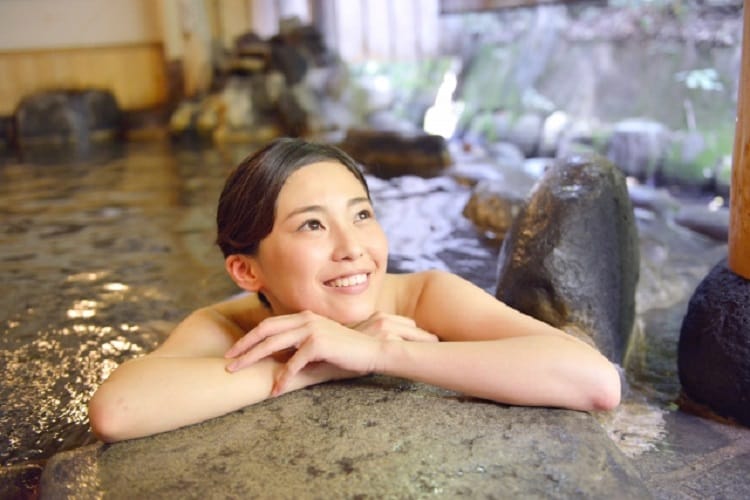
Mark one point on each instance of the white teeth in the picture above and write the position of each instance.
(356, 279)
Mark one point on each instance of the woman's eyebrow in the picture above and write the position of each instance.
(320, 208)
(306, 209)
(357, 200)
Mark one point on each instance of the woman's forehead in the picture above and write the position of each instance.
(322, 179)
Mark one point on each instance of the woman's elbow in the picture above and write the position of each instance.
(607, 389)
(105, 418)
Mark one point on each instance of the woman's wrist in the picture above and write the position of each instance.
(391, 355)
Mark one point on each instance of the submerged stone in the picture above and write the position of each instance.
(61, 117)
(376, 437)
(713, 355)
(492, 208)
(571, 256)
(389, 154)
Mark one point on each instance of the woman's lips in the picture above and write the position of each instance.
(348, 281)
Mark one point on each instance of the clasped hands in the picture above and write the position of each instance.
(313, 338)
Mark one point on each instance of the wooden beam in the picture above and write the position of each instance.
(460, 6)
(739, 197)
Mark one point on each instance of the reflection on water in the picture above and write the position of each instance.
(425, 228)
(100, 260)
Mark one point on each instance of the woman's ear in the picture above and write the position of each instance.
(242, 270)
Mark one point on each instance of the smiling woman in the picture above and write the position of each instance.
(298, 232)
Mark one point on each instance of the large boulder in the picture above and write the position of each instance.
(376, 437)
(571, 257)
(713, 356)
(390, 154)
(67, 117)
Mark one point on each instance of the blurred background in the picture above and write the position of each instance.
(546, 76)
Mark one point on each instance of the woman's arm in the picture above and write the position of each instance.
(185, 381)
(498, 353)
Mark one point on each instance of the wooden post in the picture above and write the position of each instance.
(739, 211)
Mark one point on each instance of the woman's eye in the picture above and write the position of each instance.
(311, 225)
(363, 215)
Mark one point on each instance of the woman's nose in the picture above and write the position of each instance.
(347, 245)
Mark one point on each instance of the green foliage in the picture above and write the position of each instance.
(407, 78)
(696, 167)
(482, 124)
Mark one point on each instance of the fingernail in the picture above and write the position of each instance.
(231, 367)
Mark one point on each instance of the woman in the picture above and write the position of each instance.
(298, 232)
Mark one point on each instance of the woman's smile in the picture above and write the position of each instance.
(351, 282)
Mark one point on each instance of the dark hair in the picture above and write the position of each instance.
(247, 205)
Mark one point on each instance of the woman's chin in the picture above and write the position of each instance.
(351, 317)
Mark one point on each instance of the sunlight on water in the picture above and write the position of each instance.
(99, 270)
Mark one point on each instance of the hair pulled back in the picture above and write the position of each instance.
(247, 205)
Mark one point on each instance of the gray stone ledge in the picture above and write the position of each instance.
(375, 437)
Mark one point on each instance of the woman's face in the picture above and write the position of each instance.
(326, 252)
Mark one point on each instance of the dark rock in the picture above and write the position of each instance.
(639, 147)
(102, 112)
(67, 117)
(306, 39)
(389, 154)
(375, 437)
(571, 256)
(6, 132)
(20, 481)
(702, 220)
(251, 55)
(293, 116)
(290, 61)
(714, 349)
(250, 44)
(658, 200)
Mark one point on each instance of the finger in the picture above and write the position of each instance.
(264, 329)
(382, 322)
(267, 347)
(242, 345)
(419, 335)
(395, 318)
(304, 355)
(406, 320)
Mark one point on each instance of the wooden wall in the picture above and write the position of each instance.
(75, 44)
(136, 74)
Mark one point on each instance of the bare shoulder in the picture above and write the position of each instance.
(454, 308)
(406, 290)
(245, 310)
(211, 330)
